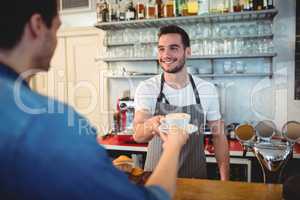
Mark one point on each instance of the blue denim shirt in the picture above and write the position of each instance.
(48, 152)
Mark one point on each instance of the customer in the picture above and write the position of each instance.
(41, 157)
(177, 91)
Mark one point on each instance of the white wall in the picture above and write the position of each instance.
(286, 48)
(78, 19)
(284, 29)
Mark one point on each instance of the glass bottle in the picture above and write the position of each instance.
(251, 5)
(255, 4)
(160, 10)
(169, 9)
(237, 6)
(122, 10)
(212, 8)
(140, 10)
(151, 10)
(226, 6)
(265, 4)
(231, 5)
(270, 4)
(98, 12)
(184, 9)
(246, 6)
(216, 6)
(192, 7)
(203, 7)
(177, 8)
(131, 12)
(104, 12)
(260, 4)
(242, 4)
(113, 12)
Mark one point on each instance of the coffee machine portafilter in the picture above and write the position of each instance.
(272, 154)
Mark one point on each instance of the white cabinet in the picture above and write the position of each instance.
(75, 76)
(52, 83)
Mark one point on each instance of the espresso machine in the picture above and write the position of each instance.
(123, 119)
(272, 153)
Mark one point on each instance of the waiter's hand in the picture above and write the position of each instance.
(145, 126)
(154, 123)
(175, 138)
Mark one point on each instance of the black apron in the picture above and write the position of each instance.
(192, 162)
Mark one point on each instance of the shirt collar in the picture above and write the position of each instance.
(8, 72)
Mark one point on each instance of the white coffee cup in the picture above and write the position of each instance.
(176, 119)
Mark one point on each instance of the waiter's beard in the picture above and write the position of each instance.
(176, 69)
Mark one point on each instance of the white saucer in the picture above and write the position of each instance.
(190, 128)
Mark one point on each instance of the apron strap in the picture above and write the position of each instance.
(195, 90)
(161, 95)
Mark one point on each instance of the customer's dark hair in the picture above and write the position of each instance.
(175, 29)
(14, 14)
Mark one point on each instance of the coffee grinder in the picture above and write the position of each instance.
(123, 119)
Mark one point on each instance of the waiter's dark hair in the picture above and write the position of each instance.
(14, 14)
(175, 29)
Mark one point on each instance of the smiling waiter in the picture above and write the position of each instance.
(177, 91)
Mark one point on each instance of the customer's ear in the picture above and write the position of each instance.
(36, 25)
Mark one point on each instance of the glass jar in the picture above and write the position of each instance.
(227, 67)
(239, 67)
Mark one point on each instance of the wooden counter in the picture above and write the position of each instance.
(190, 189)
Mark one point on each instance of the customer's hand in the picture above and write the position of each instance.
(175, 138)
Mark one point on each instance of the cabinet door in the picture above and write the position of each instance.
(84, 75)
(54, 82)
